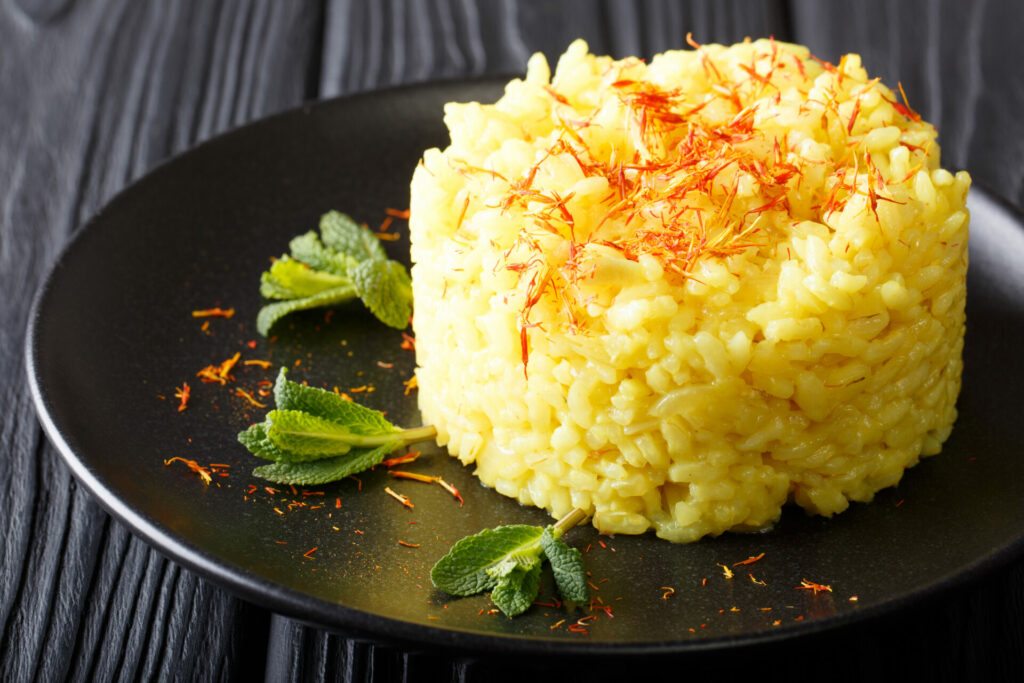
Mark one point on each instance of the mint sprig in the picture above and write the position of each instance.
(316, 436)
(507, 561)
(345, 262)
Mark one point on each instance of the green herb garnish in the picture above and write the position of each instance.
(507, 561)
(316, 436)
(345, 262)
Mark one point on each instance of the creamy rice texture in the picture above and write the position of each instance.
(679, 294)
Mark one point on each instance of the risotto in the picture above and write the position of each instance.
(679, 294)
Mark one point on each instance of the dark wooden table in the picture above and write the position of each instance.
(93, 93)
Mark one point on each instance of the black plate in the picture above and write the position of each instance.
(112, 332)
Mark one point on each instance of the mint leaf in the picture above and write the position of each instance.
(385, 288)
(517, 590)
(258, 440)
(507, 561)
(327, 470)
(305, 434)
(290, 279)
(346, 261)
(310, 250)
(341, 233)
(567, 566)
(464, 570)
(503, 568)
(259, 444)
(315, 436)
(271, 313)
(360, 420)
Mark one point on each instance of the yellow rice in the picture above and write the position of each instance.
(693, 359)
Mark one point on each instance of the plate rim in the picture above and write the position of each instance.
(353, 622)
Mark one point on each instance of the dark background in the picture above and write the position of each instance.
(94, 93)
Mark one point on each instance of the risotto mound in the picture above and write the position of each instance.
(678, 294)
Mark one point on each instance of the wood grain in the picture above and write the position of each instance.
(93, 94)
(101, 93)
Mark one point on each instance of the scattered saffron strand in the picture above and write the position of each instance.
(401, 459)
(203, 473)
(227, 365)
(451, 489)
(183, 394)
(581, 624)
(404, 500)
(247, 396)
(815, 588)
(213, 313)
(412, 475)
(427, 479)
(219, 373)
(669, 592)
(262, 363)
(749, 560)
(726, 571)
(209, 375)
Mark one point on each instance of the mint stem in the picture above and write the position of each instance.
(424, 433)
(575, 516)
(408, 436)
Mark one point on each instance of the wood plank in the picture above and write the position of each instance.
(370, 45)
(104, 91)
